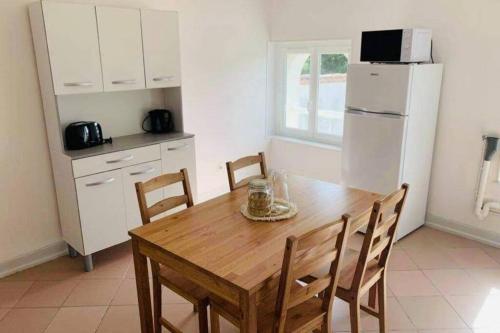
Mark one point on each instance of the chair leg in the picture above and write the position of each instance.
(372, 296)
(202, 317)
(156, 305)
(354, 311)
(382, 296)
(195, 308)
(214, 321)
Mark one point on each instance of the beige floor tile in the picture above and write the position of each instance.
(410, 283)
(182, 316)
(170, 297)
(3, 312)
(131, 271)
(417, 239)
(47, 294)
(121, 319)
(111, 263)
(27, 320)
(472, 258)
(127, 294)
(431, 257)
(455, 282)
(396, 318)
(61, 268)
(431, 312)
(493, 252)
(401, 261)
(29, 274)
(478, 311)
(447, 240)
(93, 292)
(12, 291)
(77, 320)
(490, 278)
(458, 330)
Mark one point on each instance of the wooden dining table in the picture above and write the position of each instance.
(214, 245)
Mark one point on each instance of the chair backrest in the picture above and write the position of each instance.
(142, 188)
(304, 255)
(242, 163)
(379, 238)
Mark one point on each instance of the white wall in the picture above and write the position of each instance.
(223, 47)
(464, 37)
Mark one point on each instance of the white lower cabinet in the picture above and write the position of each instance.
(176, 155)
(102, 210)
(131, 175)
(107, 201)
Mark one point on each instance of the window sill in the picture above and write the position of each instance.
(334, 147)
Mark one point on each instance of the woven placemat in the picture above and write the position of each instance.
(274, 216)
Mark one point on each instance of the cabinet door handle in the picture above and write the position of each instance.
(177, 148)
(107, 181)
(123, 159)
(130, 81)
(142, 172)
(79, 84)
(163, 78)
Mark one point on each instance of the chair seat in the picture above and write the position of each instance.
(182, 286)
(309, 312)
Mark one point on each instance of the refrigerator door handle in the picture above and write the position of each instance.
(364, 112)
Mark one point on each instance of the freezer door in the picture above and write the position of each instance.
(379, 88)
(372, 151)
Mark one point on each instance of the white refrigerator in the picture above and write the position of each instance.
(389, 130)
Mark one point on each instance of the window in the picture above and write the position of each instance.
(310, 89)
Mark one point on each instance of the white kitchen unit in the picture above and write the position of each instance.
(73, 47)
(389, 129)
(98, 51)
(120, 40)
(97, 48)
(160, 39)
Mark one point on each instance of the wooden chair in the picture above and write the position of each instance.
(243, 162)
(288, 306)
(163, 275)
(368, 273)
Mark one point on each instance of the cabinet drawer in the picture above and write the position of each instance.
(139, 173)
(120, 159)
(176, 155)
(102, 210)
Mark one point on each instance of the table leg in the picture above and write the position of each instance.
(249, 312)
(142, 283)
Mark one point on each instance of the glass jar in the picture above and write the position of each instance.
(280, 191)
(260, 197)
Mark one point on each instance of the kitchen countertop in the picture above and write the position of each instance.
(127, 142)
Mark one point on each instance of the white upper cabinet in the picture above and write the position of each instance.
(73, 47)
(160, 34)
(121, 48)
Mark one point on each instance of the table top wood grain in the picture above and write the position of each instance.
(214, 238)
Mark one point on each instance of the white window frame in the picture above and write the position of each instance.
(316, 49)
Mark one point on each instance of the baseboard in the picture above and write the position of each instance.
(464, 230)
(33, 258)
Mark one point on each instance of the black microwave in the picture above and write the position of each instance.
(396, 46)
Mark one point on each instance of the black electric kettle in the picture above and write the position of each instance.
(160, 121)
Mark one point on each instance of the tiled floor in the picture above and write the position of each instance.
(438, 283)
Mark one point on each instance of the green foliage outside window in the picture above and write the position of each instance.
(330, 64)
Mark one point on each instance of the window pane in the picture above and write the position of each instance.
(298, 73)
(331, 94)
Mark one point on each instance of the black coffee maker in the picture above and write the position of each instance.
(160, 121)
